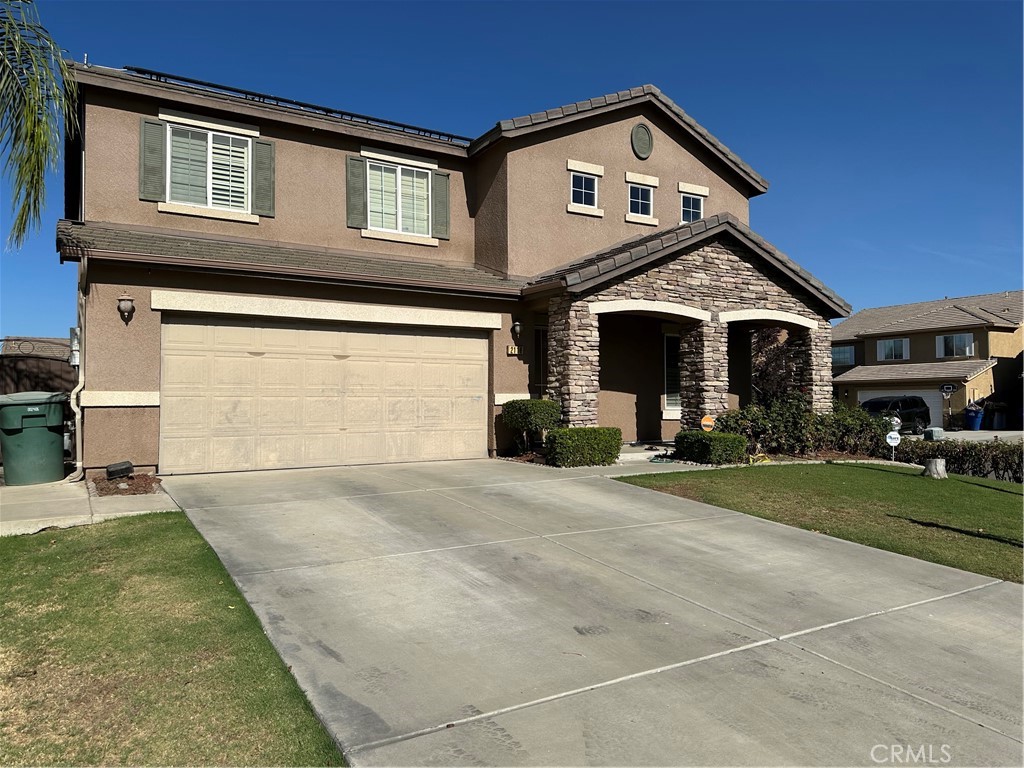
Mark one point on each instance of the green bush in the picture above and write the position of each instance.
(1001, 459)
(711, 447)
(529, 418)
(789, 427)
(584, 446)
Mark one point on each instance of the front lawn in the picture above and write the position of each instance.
(127, 643)
(963, 522)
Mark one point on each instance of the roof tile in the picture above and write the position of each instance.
(958, 369)
(1002, 309)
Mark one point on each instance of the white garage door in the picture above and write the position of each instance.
(932, 397)
(238, 395)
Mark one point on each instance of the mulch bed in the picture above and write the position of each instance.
(133, 485)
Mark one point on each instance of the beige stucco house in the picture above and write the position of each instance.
(265, 283)
(971, 346)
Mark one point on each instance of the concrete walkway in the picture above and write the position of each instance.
(493, 613)
(31, 508)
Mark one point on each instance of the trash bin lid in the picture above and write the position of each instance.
(33, 398)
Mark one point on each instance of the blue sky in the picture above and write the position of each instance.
(890, 132)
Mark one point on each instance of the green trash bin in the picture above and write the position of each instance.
(32, 437)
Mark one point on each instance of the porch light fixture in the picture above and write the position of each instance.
(125, 307)
(516, 328)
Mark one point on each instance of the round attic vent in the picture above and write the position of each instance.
(643, 141)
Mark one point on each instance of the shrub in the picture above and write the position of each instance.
(528, 418)
(849, 430)
(1002, 459)
(711, 447)
(583, 446)
(782, 427)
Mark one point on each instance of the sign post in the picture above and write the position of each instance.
(893, 439)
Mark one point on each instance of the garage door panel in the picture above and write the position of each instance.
(280, 413)
(184, 414)
(471, 377)
(235, 412)
(185, 370)
(231, 336)
(237, 395)
(232, 452)
(234, 370)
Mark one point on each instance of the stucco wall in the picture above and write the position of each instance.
(309, 194)
(922, 347)
(1006, 344)
(543, 235)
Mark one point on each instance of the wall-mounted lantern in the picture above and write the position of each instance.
(126, 307)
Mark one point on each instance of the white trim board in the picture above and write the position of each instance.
(501, 399)
(303, 309)
(92, 398)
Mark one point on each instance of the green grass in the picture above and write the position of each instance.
(963, 522)
(127, 643)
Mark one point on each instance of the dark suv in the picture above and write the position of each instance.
(912, 411)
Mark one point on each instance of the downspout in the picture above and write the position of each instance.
(79, 473)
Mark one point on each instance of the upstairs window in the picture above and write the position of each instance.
(198, 166)
(584, 190)
(843, 355)
(893, 349)
(955, 345)
(208, 169)
(641, 200)
(692, 208)
(398, 199)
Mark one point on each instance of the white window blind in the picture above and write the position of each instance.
(398, 199)
(188, 166)
(229, 162)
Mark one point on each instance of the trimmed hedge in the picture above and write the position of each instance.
(999, 458)
(583, 446)
(711, 447)
(530, 417)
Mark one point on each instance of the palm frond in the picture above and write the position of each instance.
(38, 99)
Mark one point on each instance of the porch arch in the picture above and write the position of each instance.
(649, 306)
(773, 315)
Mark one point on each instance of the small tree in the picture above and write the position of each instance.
(38, 94)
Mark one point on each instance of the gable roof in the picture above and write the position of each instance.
(613, 101)
(141, 244)
(952, 369)
(997, 310)
(605, 265)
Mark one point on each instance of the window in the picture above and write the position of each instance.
(955, 345)
(843, 355)
(398, 199)
(693, 208)
(893, 349)
(641, 200)
(672, 401)
(584, 190)
(208, 169)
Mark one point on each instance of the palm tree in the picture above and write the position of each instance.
(37, 95)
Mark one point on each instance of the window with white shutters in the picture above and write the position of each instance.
(208, 169)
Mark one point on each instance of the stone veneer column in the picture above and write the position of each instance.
(574, 363)
(703, 372)
(813, 358)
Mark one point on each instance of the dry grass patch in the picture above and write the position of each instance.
(126, 643)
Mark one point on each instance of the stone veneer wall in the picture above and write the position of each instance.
(715, 277)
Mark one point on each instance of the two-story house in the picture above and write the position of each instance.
(266, 283)
(971, 346)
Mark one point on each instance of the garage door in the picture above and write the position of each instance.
(238, 395)
(932, 397)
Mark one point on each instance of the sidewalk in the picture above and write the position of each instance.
(31, 508)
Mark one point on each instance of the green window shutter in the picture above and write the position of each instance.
(263, 177)
(152, 160)
(355, 191)
(440, 207)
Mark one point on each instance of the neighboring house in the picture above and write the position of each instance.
(972, 343)
(265, 283)
(35, 364)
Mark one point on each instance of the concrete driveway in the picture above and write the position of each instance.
(491, 613)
